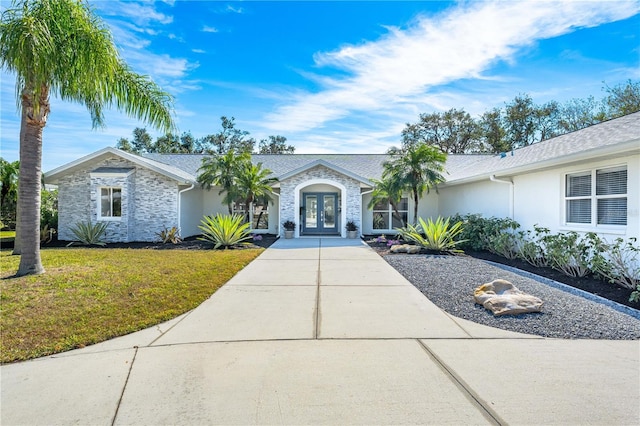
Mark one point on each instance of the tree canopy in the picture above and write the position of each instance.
(521, 122)
(229, 138)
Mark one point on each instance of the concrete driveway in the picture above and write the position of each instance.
(324, 331)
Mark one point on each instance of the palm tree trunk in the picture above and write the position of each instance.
(33, 121)
(415, 206)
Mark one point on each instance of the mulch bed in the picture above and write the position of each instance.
(589, 283)
(191, 243)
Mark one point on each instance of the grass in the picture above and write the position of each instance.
(90, 295)
(7, 236)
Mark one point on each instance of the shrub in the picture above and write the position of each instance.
(478, 232)
(438, 235)
(289, 225)
(619, 263)
(225, 230)
(89, 234)
(351, 226)
(635, 295)
(532, 249)
(571, 254)
(169, 235)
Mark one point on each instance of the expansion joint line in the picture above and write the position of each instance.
(488, 412)
(126, 381)
(316, 332)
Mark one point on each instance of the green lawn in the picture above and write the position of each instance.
(7, 236)
(88, 295)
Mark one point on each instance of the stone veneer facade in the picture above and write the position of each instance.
(312, 176)
(149, 201)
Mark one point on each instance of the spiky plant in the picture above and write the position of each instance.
(90, 234)
(225, 230)
(437, 236)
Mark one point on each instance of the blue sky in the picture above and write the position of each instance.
(344, 77)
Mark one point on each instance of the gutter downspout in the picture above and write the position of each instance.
(180, 207)
(362, 194)
(493, 178)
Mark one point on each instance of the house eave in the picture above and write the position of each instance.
(328, 165)
(52, 177)
(624, 149)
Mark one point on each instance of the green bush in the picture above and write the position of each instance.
(90, 234)
(480, 233)
(532, 249)
(571, 253)
(225, 230)
(619, 263)
(438, 235)
(49, 209)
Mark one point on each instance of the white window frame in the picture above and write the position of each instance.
(111, 188)
(390, 211)
(593, 197)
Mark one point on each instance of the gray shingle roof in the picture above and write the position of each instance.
(622, 132)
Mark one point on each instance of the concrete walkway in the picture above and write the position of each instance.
(323, 331)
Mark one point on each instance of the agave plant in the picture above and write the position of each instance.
(90, 234)
(225, 230)
(437, 236)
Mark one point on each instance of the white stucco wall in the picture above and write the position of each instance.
(538, 198)
(486, 197)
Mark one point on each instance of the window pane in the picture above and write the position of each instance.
(609, 182)
(404, 204)
(105, 202)
(612, 211)
(579, 211)
(116, 194)
(380, 220)
(396, 222)
(579, 185)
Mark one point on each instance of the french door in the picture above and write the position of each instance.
(320, 213)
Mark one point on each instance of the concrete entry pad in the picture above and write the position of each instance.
(360, 252)
(66, 390)
(382, 312)
(278, 272)
(249, 313)
(359, 272)
(293, 382)
(546, 381)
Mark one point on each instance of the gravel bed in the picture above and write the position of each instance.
(449, 282)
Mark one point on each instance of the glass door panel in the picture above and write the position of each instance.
(311, 212)
(329, 210)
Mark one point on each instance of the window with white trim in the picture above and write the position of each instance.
(597, 197)
(384, 217)
(110, 202)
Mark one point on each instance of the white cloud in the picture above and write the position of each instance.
(403, 67)
(198, 51)
(208, 29)
(233, 9)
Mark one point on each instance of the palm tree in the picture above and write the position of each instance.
(221, 171)
(416, 168)
(62, 48)
(387, 191)
(254, 183)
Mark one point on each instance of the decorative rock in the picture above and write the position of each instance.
(503, 298)
(405, 248)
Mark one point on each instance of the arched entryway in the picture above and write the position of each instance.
(322, 208)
